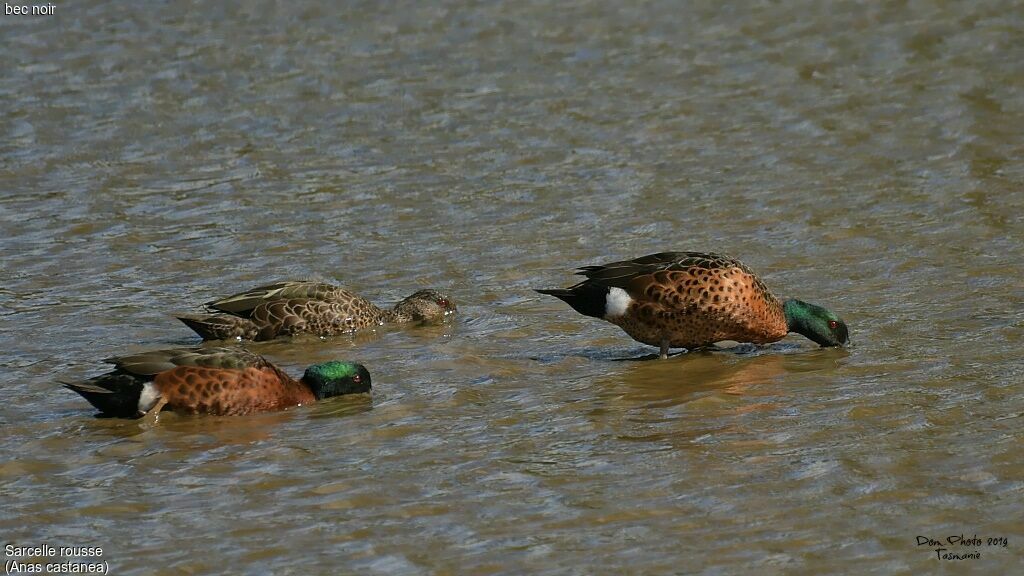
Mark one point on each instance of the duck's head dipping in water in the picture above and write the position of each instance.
(337, 378)
(426, 306)
(819, 324)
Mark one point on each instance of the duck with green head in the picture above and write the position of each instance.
(221, 380)
(694, 299)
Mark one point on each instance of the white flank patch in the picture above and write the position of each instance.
(616, 303)
(148, 397)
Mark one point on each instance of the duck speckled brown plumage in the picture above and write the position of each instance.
(297, 307)
(694, 299)
(224, 381)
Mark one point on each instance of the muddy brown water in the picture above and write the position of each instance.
(864, 156)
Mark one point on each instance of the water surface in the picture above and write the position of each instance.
(864, 156)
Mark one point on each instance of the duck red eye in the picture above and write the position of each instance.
(443, 302)
(832, 324)
(357, 378)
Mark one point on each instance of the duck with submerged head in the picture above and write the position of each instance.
(694, 299)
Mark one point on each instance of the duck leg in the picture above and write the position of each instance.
(664, 349)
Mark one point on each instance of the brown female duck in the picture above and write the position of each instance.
(300, 307)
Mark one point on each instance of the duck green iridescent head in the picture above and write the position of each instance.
(819, 324)
(336, 378)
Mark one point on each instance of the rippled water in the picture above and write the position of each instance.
(865, 156)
